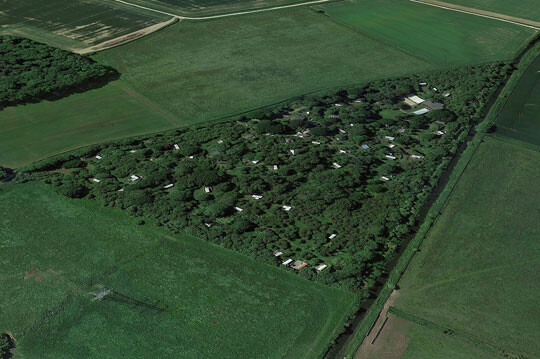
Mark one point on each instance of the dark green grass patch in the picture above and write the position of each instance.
(173, 296)
(520, 117)
(476, 269)
(441, 36)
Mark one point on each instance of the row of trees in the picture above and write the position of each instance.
(323, 156)
(31, 71)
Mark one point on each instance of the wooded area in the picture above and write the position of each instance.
(31, 71)
(334, 179)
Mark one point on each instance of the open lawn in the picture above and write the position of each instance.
(440, 36)
(520, 117)
(477, 271)
(527, 9)
(73, 24)
(200, 71)
(174, 297)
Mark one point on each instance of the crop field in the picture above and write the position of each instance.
(520, 117)
(405, 339)
(197, 8)
(443, 37)
(73, 24)
(171, 296)
(527, 9)
(202, 71)
(476, 272)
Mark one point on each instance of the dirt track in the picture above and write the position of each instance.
(126, 38)
(489, 14)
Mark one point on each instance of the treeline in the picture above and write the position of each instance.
(336, 179)
(31, 71)
(6, 345)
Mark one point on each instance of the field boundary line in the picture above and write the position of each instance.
(226, 15)
(449, 7)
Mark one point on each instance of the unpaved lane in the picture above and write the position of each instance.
(482, 13)
(224, 15)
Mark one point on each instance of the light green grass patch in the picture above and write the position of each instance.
(476, 268)
(441, 36)
(177, 297)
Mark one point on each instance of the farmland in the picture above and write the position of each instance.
(476, 271)
(191, 297)
(197, 8)
(440, 36)
(527, 9)
(520, 117)
(195, 72)
(73, 24)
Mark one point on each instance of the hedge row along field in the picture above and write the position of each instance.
(170, 295)
(31, 72)
(333, 181)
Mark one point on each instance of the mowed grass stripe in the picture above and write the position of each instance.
(527, 9)
(477, 267)
(215, 303)
(441, 36)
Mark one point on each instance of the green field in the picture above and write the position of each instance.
(73, 24)
(443, 37)
(200, 71)
(176, 297)
(477, 269)
(527, 9)
(198, 8)
(35, 131)
(520, 117)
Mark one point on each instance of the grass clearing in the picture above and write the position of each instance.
(176, 296)
(73, 24)
(441, 36)
(199, 71)
(475, 267)
(520, 117)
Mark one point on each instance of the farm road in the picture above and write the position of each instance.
(482, 13)
(223, 15)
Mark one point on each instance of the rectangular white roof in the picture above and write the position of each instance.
(287, 262)
(417, 100)
(320, 267)
(421, 112)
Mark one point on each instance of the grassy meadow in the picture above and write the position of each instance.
(476, 269)
(520, 117)
(73, 24)
(526, 9)
(174, 297)
(440, 36)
